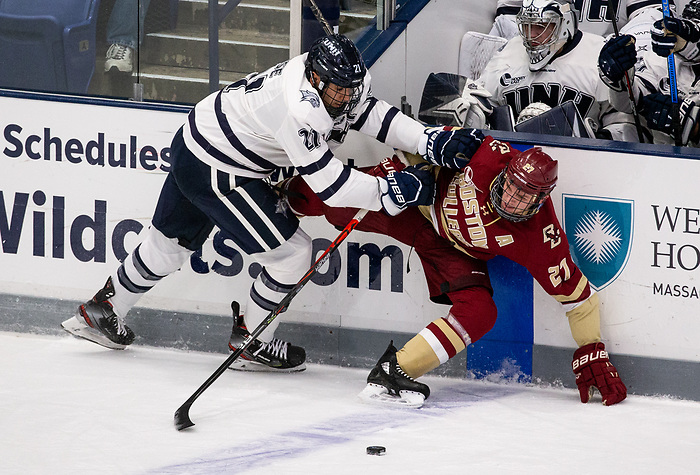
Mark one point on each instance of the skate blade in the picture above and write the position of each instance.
(81, 330)
(254, 367)
(378, 394)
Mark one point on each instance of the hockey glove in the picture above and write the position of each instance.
(676, 35)
(475, 106)
(658, 111)
(410, 187)
(593, 368)
(386, 166)
(451, 147)
(617, 56)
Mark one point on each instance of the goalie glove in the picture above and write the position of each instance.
(410, 187)
(450, 147)
(593, 369)
(617, 56)
(676, 35)
(658, 111)
(474, 105)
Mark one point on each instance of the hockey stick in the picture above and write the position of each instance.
(672, 84)
(321, 19)
(182, 417)
(630, 91)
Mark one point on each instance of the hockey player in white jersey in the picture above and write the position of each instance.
(551, 61)
(650, 80)
(293, 114)
(594, 16)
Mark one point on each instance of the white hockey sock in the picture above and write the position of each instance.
(156, 257)
(283, 267)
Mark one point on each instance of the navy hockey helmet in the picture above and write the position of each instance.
(692, 10)
(521, 189)
(337, 61)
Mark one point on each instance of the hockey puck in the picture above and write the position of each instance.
(376, 450)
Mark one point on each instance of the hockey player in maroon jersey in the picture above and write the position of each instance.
(495, 201)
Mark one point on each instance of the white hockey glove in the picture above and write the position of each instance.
(658, 111)
(475, 106)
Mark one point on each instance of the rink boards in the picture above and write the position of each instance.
(79, 182)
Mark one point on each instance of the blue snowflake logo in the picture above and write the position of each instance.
(600, 233)
(598, 237)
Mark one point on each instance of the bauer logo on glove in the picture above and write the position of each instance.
(593, 369)
(450, 147)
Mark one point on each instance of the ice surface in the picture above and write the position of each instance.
(72, 407)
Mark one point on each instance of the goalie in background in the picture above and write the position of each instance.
(593, 17)
(649, 76)
(494, 201)
(551, 61)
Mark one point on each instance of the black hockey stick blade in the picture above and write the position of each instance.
(182, 415)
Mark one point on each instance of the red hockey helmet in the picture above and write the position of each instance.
(523, 186)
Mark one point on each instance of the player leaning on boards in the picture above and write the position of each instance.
(295, 113)
(493, 202)
(650, 80)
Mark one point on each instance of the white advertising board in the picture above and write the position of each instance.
(633, 223)
(78, 182)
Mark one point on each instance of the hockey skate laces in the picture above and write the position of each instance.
(400, 370)
(121, 328)
(276, 348)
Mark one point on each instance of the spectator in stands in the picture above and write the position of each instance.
(125, 34)
(650, 77)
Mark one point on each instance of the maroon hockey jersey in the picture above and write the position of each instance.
(463, 214)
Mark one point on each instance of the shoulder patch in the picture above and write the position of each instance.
(311, 97)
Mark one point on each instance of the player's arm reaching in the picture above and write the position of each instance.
(444, 146)
(335, 70)
(554, 269)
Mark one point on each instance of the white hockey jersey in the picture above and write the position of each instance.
(571, 75)
(651, 76)
(592, 14)
(276, 119)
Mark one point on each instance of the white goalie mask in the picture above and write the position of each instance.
(545, 26)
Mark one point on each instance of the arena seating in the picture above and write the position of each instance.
(48, 45)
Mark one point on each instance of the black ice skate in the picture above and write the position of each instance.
(387, 383)
(276, 356)
(96, 321)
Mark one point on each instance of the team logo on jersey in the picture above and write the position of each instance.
(507, 80)
(600, 235)
(311, 97)
(551, 235)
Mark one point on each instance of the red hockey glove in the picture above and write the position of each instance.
(593, 369)
(386, 166)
